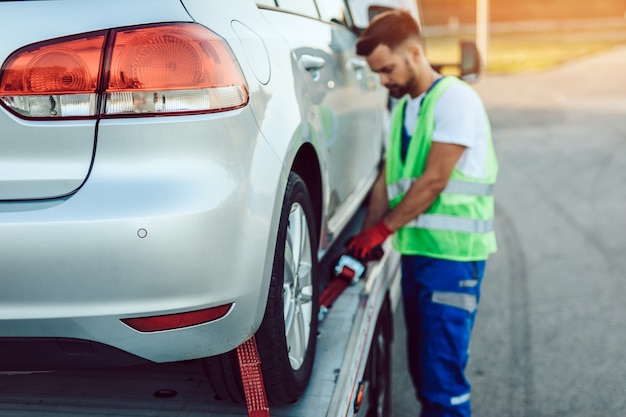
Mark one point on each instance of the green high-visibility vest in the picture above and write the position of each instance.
(459, 224)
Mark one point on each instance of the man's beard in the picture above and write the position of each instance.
(399, 90)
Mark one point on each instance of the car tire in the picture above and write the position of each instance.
(287, 337)
(378, 370)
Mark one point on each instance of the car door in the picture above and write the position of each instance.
(359, 103)
(348, 103)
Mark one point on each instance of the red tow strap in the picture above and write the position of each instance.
(348, 269)
(336, 287)
(252, 379)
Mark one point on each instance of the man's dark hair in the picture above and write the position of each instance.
(389, 28)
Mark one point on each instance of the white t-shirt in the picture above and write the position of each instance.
(460, 118)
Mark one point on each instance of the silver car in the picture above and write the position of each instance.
(171, 173)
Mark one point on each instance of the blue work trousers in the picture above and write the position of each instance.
(440, 301)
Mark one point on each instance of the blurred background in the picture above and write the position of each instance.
(525, 35)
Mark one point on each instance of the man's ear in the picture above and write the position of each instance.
(415, 52)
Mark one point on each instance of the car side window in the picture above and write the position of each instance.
(303, 7)
(333, 11)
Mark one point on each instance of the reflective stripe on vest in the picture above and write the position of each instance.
(454, 187)
(451, 223)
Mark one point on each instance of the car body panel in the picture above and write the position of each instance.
(345, 108)
(37, 162)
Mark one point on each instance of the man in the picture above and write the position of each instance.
(435, 195)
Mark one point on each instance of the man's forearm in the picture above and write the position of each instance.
(378, 205)
(417, 200)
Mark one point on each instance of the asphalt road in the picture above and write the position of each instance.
(550, 337)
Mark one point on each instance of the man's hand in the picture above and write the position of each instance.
(362, 245)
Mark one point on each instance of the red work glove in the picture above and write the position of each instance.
(362, 245)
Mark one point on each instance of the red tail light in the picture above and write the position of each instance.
(151, 70)
(178, 320)
(57, 78)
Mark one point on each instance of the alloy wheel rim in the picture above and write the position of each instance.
(297, 286)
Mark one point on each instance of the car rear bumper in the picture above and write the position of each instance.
(173, 218)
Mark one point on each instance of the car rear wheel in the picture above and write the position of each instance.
(287, 337)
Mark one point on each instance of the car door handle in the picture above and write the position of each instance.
(311, 62)
(358, 64)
